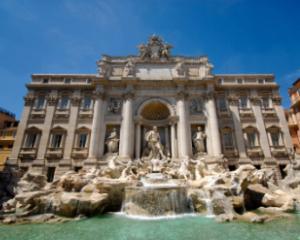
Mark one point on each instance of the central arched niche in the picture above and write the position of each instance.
(155, 110)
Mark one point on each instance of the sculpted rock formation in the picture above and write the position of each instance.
(228, 195)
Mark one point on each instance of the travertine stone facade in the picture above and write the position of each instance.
(68, 118)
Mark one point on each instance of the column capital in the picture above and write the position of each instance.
(209, 95)
(128, 95)
(52, 99)
(76, 100)
(233, 100)
(182, 95)
(29, 99)
(277, 100)
(255, 100)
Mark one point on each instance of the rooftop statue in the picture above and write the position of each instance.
(155, 49)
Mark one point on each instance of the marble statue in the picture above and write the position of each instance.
(112, 142)
(152, 138)
(199, 140)
(155, 49)
(128, 69)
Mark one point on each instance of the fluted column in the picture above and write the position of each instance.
(183, 127)
(98, 127)
(264, 142)
(127, 128)
(233, 106)
(13, 159)
(215, 140)
(284, 125)
(75, 103)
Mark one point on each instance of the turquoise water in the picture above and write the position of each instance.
(119, 227)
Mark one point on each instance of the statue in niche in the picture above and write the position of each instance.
(112, 142)
(199, 140)
(128, 69)
(152, 138)
(114, 105)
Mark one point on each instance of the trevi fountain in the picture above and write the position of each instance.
(155, 195)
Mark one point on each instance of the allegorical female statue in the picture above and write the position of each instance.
(199, 140)
(112, 141)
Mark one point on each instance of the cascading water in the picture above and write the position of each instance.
(155, 197)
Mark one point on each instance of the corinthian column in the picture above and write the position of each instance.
(183, 127)
(13, 160)
(264, 142)
(215, 140)
(98, 128)
(127, 128)
(233, 105)
(284, 125)
(75, 103)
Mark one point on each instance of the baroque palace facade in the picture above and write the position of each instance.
(72, 121)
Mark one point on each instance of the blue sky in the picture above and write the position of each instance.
(68, 36)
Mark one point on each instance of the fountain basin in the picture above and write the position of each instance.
(156, 201)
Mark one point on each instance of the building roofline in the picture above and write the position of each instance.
(295, 83)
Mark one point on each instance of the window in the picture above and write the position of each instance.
(265, 102)
(82, 140)
(40, 102)
(86, 103)
(227, 139)
(31, 140)
(261, 81)
(275, 138)
(222, 104)
(56, 140)
(251, 138)
(45, 80)
(239, 81)
(243, 102)
(67, 80)
(64, 102)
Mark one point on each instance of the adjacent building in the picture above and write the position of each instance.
(293, 115)
(8, 129)
(68, 119)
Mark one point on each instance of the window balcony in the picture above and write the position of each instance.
(230, 152)
(86, 113)
(54, 153)
(62, 113)
(80, 153)
(28, 153)
(279, 151)
(38, 113)
(254, 152)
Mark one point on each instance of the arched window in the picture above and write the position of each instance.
(275, 136)
(251, 137)
(32, 138)
(82, 138)
(57, 138)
